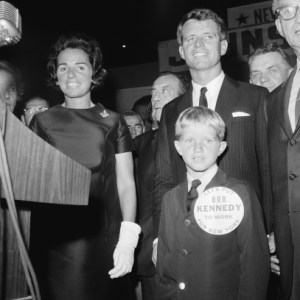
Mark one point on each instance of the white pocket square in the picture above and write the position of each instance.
(240, 114)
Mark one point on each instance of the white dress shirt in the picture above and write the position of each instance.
(205, 180)
(293, 96)
(213, 90)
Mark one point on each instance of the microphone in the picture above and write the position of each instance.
(10, 24)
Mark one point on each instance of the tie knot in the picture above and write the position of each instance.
(192, 194)
(203, 91)
(195, 183)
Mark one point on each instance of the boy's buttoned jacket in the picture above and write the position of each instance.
(193, 264)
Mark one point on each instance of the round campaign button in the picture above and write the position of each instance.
(219, 210)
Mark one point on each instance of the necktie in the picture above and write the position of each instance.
(203, 100)
(297, 108)
(192, 194)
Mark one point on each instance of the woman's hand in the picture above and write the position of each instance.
(124, 252)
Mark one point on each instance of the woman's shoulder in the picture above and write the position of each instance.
(107, 115)
(49, 113)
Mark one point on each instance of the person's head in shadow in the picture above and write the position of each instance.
(134, 122)
(11, 85)
(33, 106)
(166, 87)
(141, 106)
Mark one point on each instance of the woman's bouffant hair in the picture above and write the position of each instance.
(77, 41)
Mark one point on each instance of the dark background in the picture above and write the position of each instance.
(139, 24)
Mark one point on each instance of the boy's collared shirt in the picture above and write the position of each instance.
(213, 90)
(205, 180)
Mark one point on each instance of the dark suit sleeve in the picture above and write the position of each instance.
(253, 248)
(263, 159)
(163, 179)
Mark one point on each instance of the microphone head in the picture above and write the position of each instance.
(10, 24)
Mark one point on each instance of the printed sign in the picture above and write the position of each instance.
(219, 210)
(250, 15)
(252, 26)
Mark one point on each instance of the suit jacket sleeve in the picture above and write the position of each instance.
(253, 247)
(163, 179)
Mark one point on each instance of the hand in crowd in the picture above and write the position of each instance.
(154, 252)
(275, 268)
(123, 262)
(124, 253)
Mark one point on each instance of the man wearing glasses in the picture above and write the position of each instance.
(283, 111)
(33, 106)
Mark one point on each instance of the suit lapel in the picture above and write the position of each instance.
(219, 179)
(226, 100)
(187, 101)
(182, 193)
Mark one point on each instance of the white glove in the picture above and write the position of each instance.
(124, 252)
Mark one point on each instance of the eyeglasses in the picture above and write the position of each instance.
(286, 12)
(35, 110)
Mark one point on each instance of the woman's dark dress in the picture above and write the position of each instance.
(72, 247)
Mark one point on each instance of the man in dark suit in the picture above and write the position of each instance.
(166, 87)
(284, 153)
(202, 39)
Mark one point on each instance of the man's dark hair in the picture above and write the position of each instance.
(269, 48)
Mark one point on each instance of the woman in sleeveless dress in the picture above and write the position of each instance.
(82, 252)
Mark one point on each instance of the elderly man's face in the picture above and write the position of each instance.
(269, 70)
(8, 90)
(290, 29)
(164, 90)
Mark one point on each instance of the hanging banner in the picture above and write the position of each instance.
(252, 26)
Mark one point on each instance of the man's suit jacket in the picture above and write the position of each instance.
(210, 267)
(284, 154)
(246, 154)
(145, 149)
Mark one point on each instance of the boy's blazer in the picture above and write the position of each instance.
(193, 264)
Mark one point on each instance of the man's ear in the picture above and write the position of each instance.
(23, 119)
(279, 27)
(181, 52)
(222, 148)
(224, 46)
(177, 146)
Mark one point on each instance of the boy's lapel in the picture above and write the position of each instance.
(219, 179)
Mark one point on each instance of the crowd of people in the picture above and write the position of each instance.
(194, 191)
